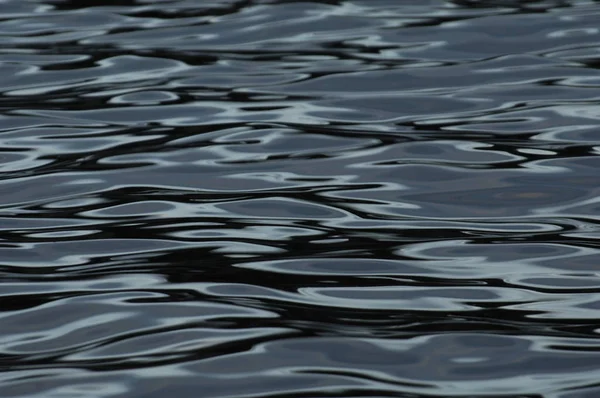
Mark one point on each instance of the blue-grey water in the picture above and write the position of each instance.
(307, 199)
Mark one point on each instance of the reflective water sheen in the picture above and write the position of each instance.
(279, 198)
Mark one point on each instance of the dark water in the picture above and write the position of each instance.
(276, 198)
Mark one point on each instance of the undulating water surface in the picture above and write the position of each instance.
(278, 198)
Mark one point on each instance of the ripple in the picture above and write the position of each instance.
(278, 198)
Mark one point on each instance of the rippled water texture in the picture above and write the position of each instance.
(277, 198)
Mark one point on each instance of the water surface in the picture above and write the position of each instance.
(278, 198)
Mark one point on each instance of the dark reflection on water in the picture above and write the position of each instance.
(275, 198)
